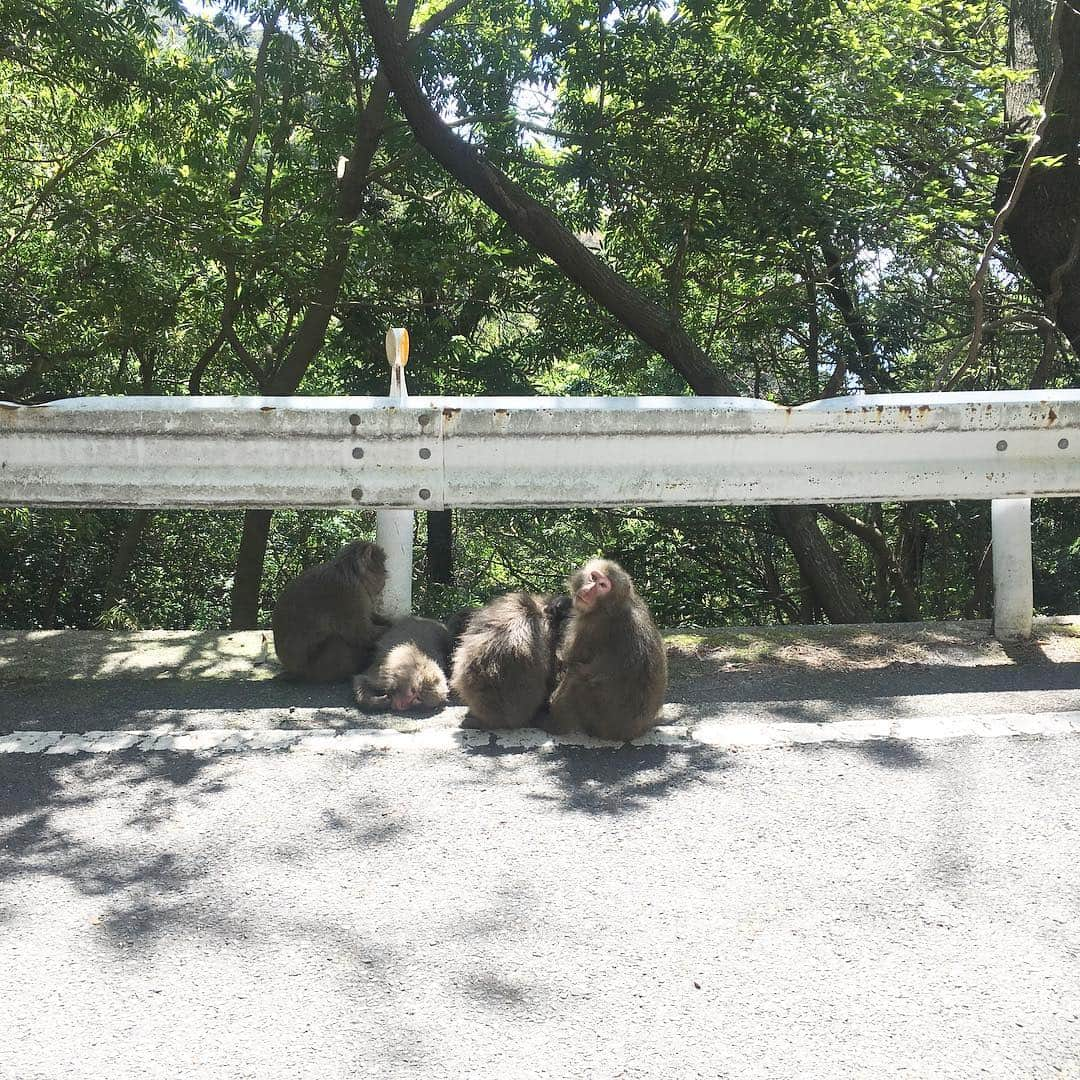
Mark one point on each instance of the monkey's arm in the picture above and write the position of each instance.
(570, 699)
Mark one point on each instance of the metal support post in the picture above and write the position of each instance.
(1010, 522)
(394, 528)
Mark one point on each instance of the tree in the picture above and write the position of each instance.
(539, 227)
(1044, 224)
(797, 190)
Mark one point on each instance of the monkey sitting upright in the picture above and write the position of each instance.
(408, 669)
(504, 661)
(324, 622)
(612, 668)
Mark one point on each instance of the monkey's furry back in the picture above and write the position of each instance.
(503, 661)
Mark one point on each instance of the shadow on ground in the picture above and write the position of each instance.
(607, 781)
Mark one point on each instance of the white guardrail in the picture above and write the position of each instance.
(399, 453)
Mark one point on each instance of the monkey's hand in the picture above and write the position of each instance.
(368, 696)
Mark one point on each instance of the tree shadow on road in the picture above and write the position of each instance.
(619, 780)
(119, 703)
(59, 818)
(48, 655)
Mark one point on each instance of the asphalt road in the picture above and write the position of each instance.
(877, 907)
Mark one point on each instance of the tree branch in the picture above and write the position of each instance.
(258, 90)
(873, 538)
(536, 224)
(869, 367)
(52, 184)
(436, 21)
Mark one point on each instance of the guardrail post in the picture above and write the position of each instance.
(394, 528)
(1010, 523)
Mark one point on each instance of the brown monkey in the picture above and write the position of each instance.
(612, 666)
(504, 662)
(455, 626)
(324, 624)
(408, 669)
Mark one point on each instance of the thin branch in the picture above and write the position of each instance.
(436, 21)
(230, 307)
(869, 367)
(256, 105)
(281, 138)
(875, 540)
(52, 184)
(354, 61)
(836, 380)
(1029, 318)
(247, 358)
(813, 318)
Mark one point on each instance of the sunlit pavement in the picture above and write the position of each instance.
(810, 872)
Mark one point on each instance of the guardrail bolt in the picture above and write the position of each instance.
(1002, 445)
(1063, 444)
(354, 419)
(424, 493)
(358, 452)
(357, 493)
(425, 453)
(423, 419)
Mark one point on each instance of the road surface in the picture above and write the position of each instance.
(843, 856)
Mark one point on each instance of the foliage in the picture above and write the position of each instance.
(806, 186)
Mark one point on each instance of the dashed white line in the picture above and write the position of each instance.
(715, 734)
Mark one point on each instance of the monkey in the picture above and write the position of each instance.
(408, 668)
(455, 626)
(612, 668)
(324, 622)
(504, 662)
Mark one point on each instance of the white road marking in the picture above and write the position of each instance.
(716, 734)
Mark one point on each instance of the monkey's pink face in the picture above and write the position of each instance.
(594, 586)
(405, 698)
(429, 693)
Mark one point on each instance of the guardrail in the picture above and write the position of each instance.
(398, 453)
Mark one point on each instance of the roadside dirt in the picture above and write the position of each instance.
(45, 655)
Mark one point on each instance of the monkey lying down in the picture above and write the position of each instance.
(408, 670)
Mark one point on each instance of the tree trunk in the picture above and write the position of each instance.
(56, 586)
(440, 546)
(129, 543)
(820, 565)
(1044, 227)
(866, 364)
(247, 579)
(912, 542)
(885, 563)
(311, 333)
